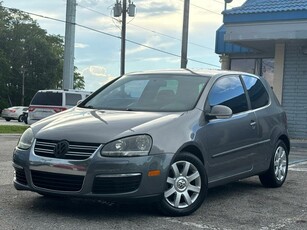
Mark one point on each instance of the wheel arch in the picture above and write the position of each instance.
(193, 149)
(286, 140)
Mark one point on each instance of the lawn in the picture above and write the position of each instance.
(12, 128)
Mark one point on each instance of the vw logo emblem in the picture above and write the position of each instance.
(61, 149)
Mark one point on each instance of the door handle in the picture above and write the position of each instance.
(253, 124)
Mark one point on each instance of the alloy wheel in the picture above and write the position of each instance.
(280, 163)
(184, 184)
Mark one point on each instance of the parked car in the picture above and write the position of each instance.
(13, 113)
(49, 102)
(164, 135)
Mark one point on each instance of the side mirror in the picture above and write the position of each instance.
(220, 112)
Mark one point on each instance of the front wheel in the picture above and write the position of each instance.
(20, 118)
(186, 186)
(277, 173)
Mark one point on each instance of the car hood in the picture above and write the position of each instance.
(99, 126)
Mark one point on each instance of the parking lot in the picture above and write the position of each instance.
(241, 205)
(12, 122)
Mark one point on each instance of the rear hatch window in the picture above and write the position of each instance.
(47, 98)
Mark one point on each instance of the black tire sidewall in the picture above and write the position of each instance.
(269, 179)
(282, 144)
(20, 118)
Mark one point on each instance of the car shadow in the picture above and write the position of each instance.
(91, 208)
(101, 209)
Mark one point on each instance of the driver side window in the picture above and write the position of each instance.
(228, 91)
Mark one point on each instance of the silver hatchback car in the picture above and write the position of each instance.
(164, 135)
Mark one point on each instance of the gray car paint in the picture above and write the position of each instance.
(229, 148)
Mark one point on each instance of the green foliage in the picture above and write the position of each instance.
(28, 52)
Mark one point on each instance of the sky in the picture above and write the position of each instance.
(157, 24)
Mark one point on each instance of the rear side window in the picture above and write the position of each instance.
(229, 91)
(257, 93)
(47, 98)
(72, 98)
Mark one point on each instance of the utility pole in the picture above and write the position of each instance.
(122, 10)
(69, 49)
(123, 39)
(23, 85)
(185, 34)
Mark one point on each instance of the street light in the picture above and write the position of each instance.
(226, 2)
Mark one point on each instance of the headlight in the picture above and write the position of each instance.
(126, 147)
(26, 139)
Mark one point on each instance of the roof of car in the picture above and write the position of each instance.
(202, 72)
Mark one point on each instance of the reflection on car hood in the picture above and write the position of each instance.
(99, 126)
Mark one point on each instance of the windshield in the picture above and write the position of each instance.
(161, 93)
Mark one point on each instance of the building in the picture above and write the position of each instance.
(269, 38)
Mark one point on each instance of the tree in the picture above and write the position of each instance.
(30, 59)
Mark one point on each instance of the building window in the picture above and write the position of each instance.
(259, 66)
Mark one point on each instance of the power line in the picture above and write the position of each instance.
(219, 2)
(111, 35)
(202, 8)
(144, 28)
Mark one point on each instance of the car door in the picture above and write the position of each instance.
(260, 101)
(230, 142)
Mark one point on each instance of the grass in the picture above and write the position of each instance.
(12, 128)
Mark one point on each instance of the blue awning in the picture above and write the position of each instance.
(222, 47)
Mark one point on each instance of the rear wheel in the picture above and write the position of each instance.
(186, 186)
(7, 119)
(277, 173)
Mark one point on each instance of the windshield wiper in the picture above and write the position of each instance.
(88, 107)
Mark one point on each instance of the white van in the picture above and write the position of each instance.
(48, 102)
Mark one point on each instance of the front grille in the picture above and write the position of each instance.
(56, 181)
(21, 176)
(111, 185)
(76, 151)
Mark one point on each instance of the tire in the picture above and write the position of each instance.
(8, 119)
(20, 118)
(183, 194)
(276, 175)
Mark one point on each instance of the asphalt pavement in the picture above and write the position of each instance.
(11, 122)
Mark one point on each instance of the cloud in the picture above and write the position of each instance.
(154, 41)
(95, 77)
(81, 45)
(88, 2)
(157, 7)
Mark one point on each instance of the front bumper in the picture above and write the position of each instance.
(97, 176)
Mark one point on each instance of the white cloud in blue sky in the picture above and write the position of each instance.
(157, 24)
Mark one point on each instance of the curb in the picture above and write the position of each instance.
(11, 134)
